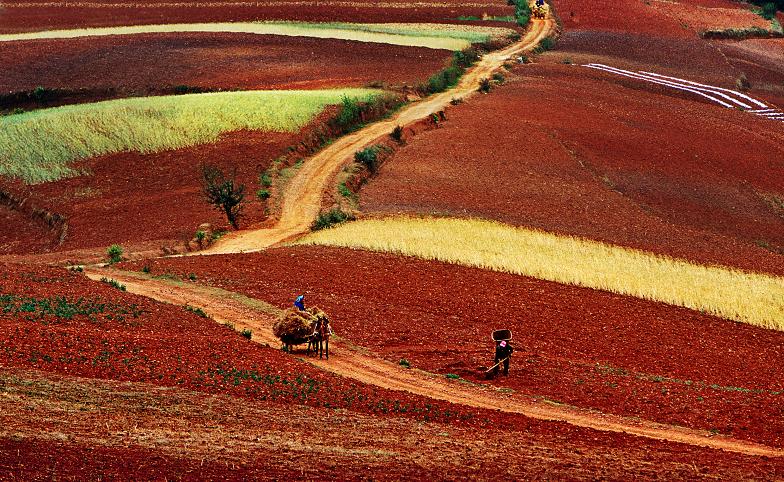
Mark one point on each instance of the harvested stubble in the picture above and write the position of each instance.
(38, 146)
(295, 326)
(752, 298)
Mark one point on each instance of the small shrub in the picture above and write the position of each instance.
(742, 83)
(200, 236)
(344, 190)
(265, 179)
(368, 157)
(113, 283)
(114, 253)
(397, 134)
(229, 325)
(567, 61)
(350, 113)
(499, 77)
(198, 312)
(456, 101)
(146, 269)
(452, 376)
(547, 43)
(42, 94)
(247, 333)
(331, 218)
(192, 276)
(768, 11)
(485, 86)
(263, 194)
(77, 269)
(405, 363)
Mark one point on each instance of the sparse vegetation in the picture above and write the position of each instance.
(196, 311)
(368, 157)
(247, 333)
(752, 298)
(405, 363)
(113, 283)
(331, 218)
(223, 193)
(485, 86)
(114, 253)
(397, 134)
(263, 194)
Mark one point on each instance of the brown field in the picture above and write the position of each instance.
(600, 157)
(101, 383)
(149, 63)
(23, 16)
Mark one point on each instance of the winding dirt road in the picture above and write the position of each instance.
(243, 312)
(302, 198)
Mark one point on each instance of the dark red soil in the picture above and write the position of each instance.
(570, 150)
(577, 346)
(133, 197)
(20, 234)
(142, 64)
(618, 16)
(218, 438)
(31, 16)
(102, 332)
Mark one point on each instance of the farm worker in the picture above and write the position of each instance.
(300, 302)
(503, 351)
(540, 3)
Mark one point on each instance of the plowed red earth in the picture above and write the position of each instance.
(578, 346)
(61, 322)
(130, 198)
(21, 16)
(20, 234)
(142, 64)
(598, 156)
(657, 18)
(75, 428)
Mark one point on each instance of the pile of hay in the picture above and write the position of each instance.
(295, 326)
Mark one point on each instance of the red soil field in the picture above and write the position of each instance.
(23, 16)
(129, 197)
(76, 428)
(603, 157)
(142, 64)
(701, 16)
(574, 345)
(20, 234)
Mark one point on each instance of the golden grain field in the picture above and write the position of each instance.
(752, 298)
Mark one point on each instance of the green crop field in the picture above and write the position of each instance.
(40, 146)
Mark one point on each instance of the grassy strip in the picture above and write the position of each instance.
(739, 33)
(751, 298)
(394, 34)
(38, 146)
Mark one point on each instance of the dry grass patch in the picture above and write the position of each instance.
(752, 298)
(38, 146)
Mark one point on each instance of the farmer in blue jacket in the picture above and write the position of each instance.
(300, 302)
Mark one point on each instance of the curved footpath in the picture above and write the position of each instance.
(302, 198)
(243, 312)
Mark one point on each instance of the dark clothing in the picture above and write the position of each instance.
(502, 353)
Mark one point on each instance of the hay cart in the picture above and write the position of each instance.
(539, 11)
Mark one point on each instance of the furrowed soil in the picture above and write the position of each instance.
(93, 428)
(575, 346)
(19, 16)
(598, 156)
(152, 63)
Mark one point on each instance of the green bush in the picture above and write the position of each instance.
(397, 134)
(368, 157)
(114, 253)
(769, 11)
(331, 218)
(405, 363)
(265, 179)
(263, 194)
(344, 190)
(196, 311)
(247, 333)
(146, 269)
(485, 86)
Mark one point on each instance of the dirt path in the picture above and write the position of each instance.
(243, 312)
(302, 199)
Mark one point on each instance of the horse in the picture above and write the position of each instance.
(319, 340)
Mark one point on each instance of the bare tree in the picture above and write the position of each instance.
(223, 193)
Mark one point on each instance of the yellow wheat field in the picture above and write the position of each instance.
(426, 35)
(751, 298)
(39, 146)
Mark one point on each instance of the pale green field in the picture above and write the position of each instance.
(39, 146)
(751, 298)
(435, 36)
